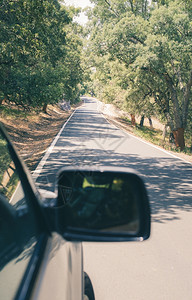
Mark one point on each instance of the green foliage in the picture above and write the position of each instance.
(34, 52)
(6, 111)
(72, 66)
(4, 157)
(155, 52)
(105, 10)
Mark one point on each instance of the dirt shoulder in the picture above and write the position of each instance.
(116, 117)
(123, 125)
(33, 133)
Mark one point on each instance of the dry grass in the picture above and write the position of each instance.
(33, 132)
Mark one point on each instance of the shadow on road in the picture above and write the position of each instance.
(168, 180)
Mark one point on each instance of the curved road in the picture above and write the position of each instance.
(160, 268)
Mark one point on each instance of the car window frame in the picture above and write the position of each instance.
(33, 201)
(29, 188)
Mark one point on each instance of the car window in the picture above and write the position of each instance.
(10, 187)
(18, 235)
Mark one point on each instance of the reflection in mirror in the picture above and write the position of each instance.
(105, 201)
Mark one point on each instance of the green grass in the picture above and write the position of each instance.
(9, 112)
(155, 136)
(152, 135)
(6, 168)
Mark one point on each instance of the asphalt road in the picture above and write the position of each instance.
(160, 268)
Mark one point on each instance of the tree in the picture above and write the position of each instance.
(163, 70)
(72, 63)
(35, 52)
(150, 48)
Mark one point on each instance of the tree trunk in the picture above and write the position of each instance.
(150, 122)
(2, 101)
(179, 138)
(187, 94)
(133, 122)
(176, 109)
(164, 132)
(142, 121)
(45, 108)
(171, 138)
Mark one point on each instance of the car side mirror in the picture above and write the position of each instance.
(103, 205)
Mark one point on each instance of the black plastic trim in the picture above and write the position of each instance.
(80, 234)
(31, 193)
(102, 237)
(41, 221)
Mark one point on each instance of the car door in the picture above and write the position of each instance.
(40, 246)
(35, 263)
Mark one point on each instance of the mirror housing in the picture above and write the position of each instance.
(102, 204)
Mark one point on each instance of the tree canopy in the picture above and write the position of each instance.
(36, 50)
(134, 53)
(152, 46)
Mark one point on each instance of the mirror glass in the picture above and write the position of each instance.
(106, 201)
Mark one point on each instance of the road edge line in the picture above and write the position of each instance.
(148, 143)
(38, 169)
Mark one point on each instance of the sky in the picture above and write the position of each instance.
(78, 3)
(82, 19)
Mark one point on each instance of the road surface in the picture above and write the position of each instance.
(160, 268)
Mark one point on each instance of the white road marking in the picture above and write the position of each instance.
(145, 142)
(42, 162)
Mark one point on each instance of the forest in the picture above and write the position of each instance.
(135, 54)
